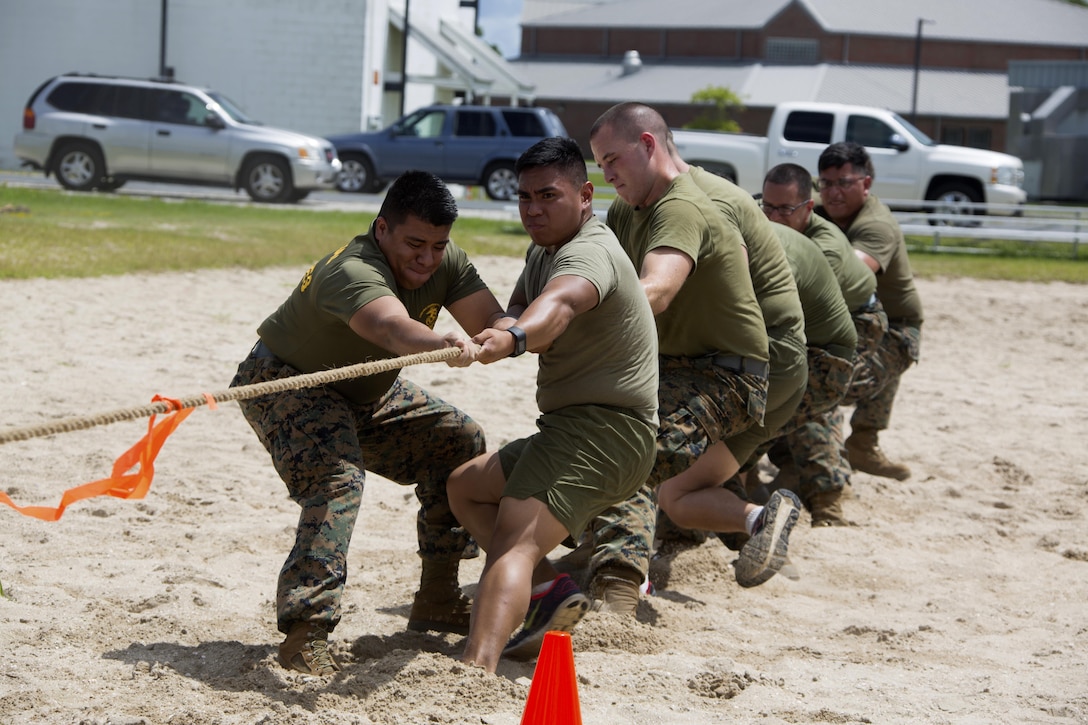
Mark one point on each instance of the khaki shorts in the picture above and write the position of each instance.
(584, 459)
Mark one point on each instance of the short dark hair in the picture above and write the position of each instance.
(563, 153)
(420, 194)
(840, 154)
(786, 174)
(630, 119)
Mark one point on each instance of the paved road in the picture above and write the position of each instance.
(317, 201)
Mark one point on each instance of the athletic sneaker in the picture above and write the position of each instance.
(765, 552)
(558, 609)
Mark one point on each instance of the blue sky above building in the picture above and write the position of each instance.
(500, 21)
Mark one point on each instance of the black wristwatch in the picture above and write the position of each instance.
(519, 340)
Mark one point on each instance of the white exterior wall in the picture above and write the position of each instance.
(286, 63)
(43, 38)
(317, 67)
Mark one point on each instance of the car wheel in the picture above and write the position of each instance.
(953, 198)
(500, 181)
(267, 179)
(357, 175)
(79, 166)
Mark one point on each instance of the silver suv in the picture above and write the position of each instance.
(97, 132)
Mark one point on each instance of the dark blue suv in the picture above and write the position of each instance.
(472, 145)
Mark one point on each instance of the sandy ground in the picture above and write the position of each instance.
(960, 596)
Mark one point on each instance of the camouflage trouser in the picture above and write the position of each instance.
(808, 438)
(870, 324)
(319, 440)
(819, 453)
(874, 392)
(698, 405)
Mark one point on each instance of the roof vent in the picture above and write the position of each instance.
(632, 62)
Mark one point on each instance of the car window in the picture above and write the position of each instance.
(178, 107)
(524, 123)
(808, 127)
(424, 124)
(232, 109)
(133, 102)
(869, 131)
(474, 123)
(83, 98)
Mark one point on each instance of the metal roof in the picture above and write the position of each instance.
(940, 92)
(652, 13)
(1042, 22)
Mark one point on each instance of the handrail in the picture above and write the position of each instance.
(989, 209)
(1030, 223)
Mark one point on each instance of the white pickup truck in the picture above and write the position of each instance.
(910, 167)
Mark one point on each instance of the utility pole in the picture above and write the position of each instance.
(404, 59)
(917, 68)
(164, 70)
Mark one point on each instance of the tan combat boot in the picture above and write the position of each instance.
(865, 455)
(615, 589)
(306, 650)
(826, 509)
(440, 605)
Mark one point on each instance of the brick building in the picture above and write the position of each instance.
(847, 51)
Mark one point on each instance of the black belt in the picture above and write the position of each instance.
(733, 363)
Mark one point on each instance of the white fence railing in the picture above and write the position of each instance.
(1028, 223)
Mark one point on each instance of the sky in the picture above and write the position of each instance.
(500, 21)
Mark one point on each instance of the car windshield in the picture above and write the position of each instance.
(232, 109)
(920, 136)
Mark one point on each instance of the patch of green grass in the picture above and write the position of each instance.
(1012, 268)
(87, 235)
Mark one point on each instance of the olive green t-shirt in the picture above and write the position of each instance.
(774, 286)
(827, 318)
(876, 232)
(715, 310)
(607, 355)
(310, 329)
(856, 280)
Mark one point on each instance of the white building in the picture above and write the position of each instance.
(323, 67)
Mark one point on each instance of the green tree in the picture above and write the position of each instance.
(721, 104)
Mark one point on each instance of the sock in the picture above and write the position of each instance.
(751, 519)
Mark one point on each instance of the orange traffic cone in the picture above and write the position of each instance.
(553, 696)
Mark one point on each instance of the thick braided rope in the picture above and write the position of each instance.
(242, 392)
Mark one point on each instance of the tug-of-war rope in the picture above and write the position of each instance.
(124, 482)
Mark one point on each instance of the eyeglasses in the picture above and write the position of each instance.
(844, 183)
(786, 210)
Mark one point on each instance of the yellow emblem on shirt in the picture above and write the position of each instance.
(430, 315)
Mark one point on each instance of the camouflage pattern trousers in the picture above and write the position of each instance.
(807, 438)
(322, 444)
(698, 405)
(873, 388)
(817, 450)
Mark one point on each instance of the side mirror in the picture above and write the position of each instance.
(213, 120)
(898, 143)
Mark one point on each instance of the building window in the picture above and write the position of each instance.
(793, 50)
(978, 137)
